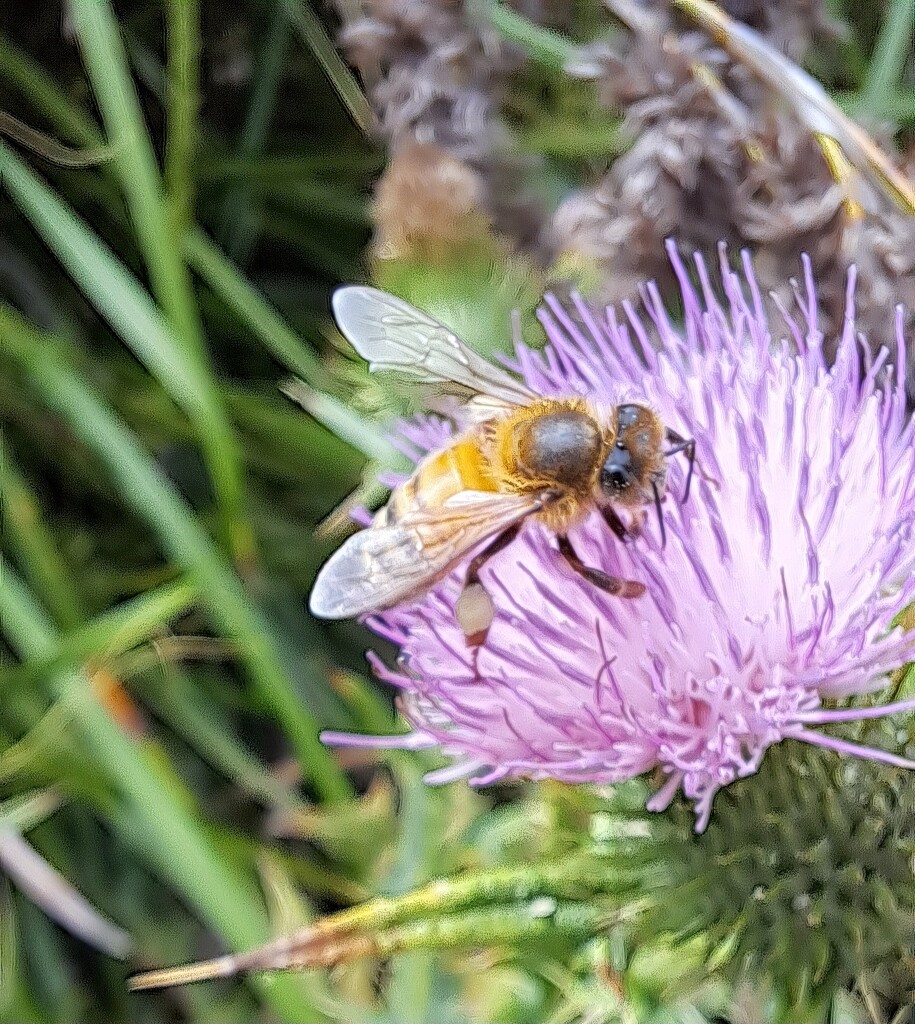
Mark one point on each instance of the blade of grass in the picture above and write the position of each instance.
(236, 222)
(46, 96)
(894, 47)
(48, 148)
(120, 298)
(26, 535)
(190, 715)
(345, 423)
(182, 97)
(315, 37)
(131, 623)
(318, 200)
(547, 47)
(23, 812)
(222, 895)
(255, 312)
(58, 898)
(146, 489)
(49, 732)
(280, 170)
(412, 974)
(135, 166)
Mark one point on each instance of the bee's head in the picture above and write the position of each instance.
(634, 472)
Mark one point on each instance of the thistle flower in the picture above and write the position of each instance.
(773, 598)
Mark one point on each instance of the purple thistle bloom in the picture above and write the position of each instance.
(775, 591)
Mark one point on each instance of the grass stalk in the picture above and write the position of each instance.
(224, 896)
(182, 98)
(26, 535)
(137, 171)
(150, 494)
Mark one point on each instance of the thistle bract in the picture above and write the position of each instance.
(775, 592)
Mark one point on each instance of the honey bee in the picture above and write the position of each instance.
(521, 456)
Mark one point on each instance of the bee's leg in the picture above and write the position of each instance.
(611, 584)
(619, 528)
(473, 610)
(615, 523)
(687, 444)
(637, 526)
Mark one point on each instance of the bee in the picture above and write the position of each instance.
(521, 456)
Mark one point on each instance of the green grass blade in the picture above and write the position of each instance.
(45, 95)
(545, 46)
(314, 36)
(131, 623)
(182, 21)
(255, 312)
(135, 164)
(26, 535)
(266, 324)
(150, 494)
(270, 171)
(126, 305)
(175, 843)
(23, 812)
(343, 421)
(48, 148)
(893, 49)
(191, 715)
(237, 222)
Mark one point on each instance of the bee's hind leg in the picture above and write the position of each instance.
(610, 584)
(474, 611)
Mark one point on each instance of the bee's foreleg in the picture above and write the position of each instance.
(610, 584)
(619, 528)
(473, 610)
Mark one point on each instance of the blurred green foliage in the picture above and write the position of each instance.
(162, 685)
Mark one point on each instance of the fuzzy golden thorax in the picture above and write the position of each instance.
(553, 445)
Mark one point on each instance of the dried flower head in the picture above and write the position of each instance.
(436, 72)
(712, 159)
(427, 203)
(776, 590)
(715, 157)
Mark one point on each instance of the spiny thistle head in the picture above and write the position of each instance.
(804, 878)
(775, 592)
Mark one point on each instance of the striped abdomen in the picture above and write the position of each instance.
(441, 475)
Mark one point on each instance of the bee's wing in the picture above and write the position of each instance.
(385, 565)
(393, 335)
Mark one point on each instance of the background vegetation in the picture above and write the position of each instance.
(168, 246)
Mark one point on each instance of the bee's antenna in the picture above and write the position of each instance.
(657, 505)
(683, 444)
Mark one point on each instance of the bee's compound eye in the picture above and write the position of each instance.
(616, 475)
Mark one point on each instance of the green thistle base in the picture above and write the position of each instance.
(803, 882)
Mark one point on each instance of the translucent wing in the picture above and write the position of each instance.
(385, 565)
(393, 335)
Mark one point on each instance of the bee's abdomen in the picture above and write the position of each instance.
(441, 475)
